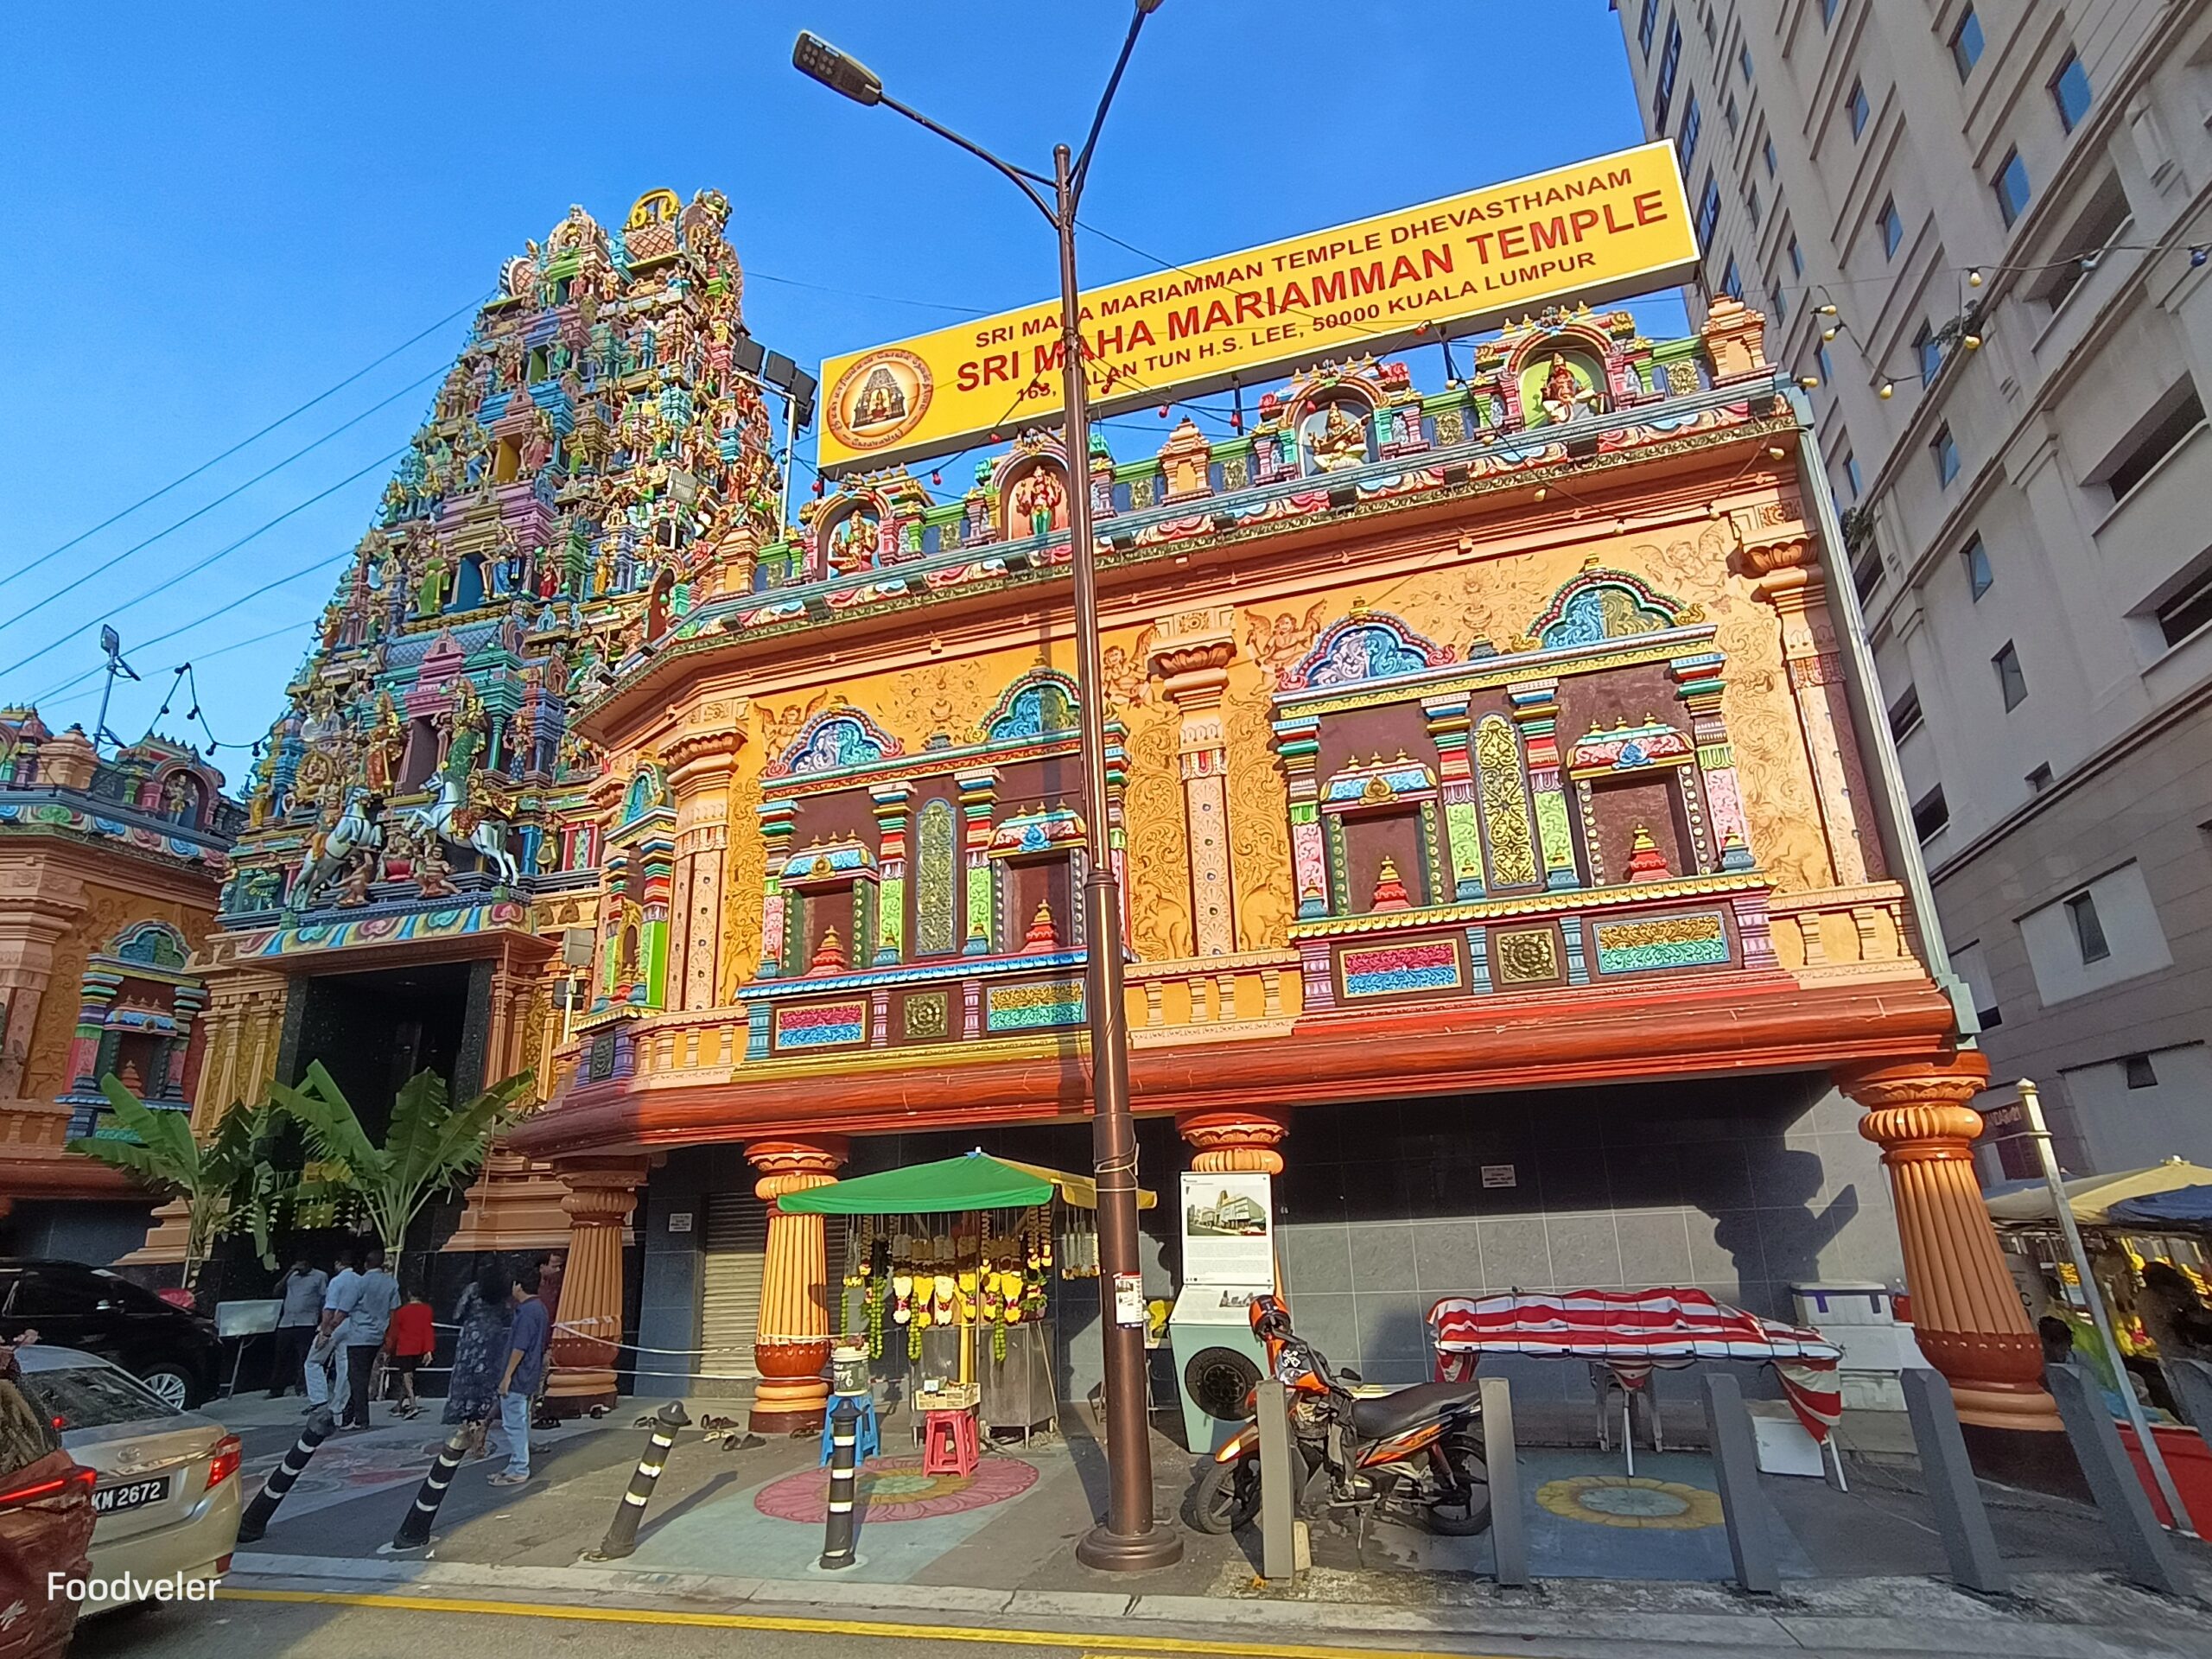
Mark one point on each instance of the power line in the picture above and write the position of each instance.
(221, 553)
(52, 553)
(139, 547)
(855, 294)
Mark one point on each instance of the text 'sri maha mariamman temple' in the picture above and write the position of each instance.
(1508, 860)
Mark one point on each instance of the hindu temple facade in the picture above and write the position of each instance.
(109, 870)
(1511, 867)
(418, 875)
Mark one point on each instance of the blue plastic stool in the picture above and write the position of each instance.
(867, 1432)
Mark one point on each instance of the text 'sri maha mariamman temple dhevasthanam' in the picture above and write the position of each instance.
(1506, 862)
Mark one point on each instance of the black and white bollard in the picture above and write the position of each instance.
(622, 1533)
(837, 1529)
(255, 1522)
(414, 1531)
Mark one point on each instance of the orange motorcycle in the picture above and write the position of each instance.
(1413, 1456)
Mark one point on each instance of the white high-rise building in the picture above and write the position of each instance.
(1983, 228)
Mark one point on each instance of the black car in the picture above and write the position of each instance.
(176, 1354)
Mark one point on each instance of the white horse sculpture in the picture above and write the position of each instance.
(356, 831)
(453, 820)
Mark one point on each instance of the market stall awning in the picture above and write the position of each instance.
(2027, 1203)
(973, 1181)
(2187, 1209)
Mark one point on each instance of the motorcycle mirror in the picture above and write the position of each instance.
(1350, 1375)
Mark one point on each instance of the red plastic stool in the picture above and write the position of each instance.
(949, 1443)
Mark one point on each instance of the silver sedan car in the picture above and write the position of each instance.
(166, 1491)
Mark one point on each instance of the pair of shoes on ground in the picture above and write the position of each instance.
(505, 1479)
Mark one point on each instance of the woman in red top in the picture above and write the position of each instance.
(407, 1342)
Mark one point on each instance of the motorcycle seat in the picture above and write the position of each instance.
(1376, 1420)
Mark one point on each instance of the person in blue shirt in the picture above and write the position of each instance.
(525, 1370)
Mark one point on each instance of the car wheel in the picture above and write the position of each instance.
(172, 1386)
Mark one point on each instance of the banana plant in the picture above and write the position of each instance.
(227, 1183)
(430, 1146)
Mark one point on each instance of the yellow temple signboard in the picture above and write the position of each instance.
(1598, 230)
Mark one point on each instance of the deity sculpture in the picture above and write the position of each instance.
(1341, 440)
(432, 582)
(1565, 397)
(1037, 499)
(386, 746)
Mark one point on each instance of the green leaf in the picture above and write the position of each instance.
(167, 1134)
(130, 1155)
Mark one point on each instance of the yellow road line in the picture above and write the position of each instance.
(1012, 1638)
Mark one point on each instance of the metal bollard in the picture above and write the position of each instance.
(1509, 1527)
(1953, 1492)
(1278, 1497)
(622, 1533)
(2129, 1520)
(837, 1527)
(1736, 1467)
(414, 1531)
(255, 1522)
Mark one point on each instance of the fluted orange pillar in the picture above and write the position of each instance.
(601, 1194)
(792, 1345)
(1966, 1310)
(1234, 1140)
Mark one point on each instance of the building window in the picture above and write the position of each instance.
(2069, 90)
(1946, 451)
(1856, 106)
(1731, 282)
(1752, 202)
(2011, 186)
(1892, 229)
(1821, 357)
(1693, 122)
(1966, 42)
(2187, 613)
(2088, 928)
(1975, 558)
(1730, 113)
(1766, 155)
(2040, 779)
(1796, 259)
(1670, 63)
(1646, 25)
(1711, 34)
(1828, 11)
(1927, 353)
(1867, 573)
(2139, 1072)
(1967, 963)
(1708, 210)
(2096, 229)
(1851, 479)
(1744, 63)
(1781, 306)
(1904, 713)
(2011, 682)
(1930, 816)
(2166, 431)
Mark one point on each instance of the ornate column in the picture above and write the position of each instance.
(38, 905)
(184, 1003)
(1782, 557)
(891, 806)
(1966, 1310)
(1700, 687)
(601, 1194)
(1191, 652)
(776, 822)
(792, 1345)
(1448, 725)
(1235, 1139)
(1536, 713)
(700, 761)
(978, 794)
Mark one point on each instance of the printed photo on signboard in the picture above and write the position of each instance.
(1228, 1229)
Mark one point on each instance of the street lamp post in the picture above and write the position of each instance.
(1127, 1540)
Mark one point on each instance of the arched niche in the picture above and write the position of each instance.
(1033, 496)
(658, 613)
(1336, 428)
(1562, 379)
(848, 534)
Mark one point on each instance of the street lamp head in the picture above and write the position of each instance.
(818, 60)
(1147, 7)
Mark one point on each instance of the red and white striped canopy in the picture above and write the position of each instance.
(1633, 1330)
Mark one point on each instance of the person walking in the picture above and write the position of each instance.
(375, 1295)
(302, 1290)
(327, 1351)
(525, 1371)
(486, 1315)
(407, 1343)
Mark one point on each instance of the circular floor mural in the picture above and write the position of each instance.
(1630, 1501)
(895, 1488)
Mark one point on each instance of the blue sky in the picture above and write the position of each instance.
(222, 211)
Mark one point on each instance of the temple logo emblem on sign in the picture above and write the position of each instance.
(879, 399)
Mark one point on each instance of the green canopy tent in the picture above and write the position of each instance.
(974, 1180)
